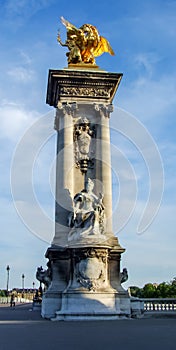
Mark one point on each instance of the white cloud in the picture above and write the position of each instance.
(14, 120)
(25, 57)
(144, 41)
(36, 220)
(150, 99)
(25, 8)
(145, 63)
(144, 255)
(19, 248)
(138, 135)
(21, 74)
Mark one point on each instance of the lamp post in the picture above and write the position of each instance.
(8, 273)
(23, 277)
(33, 289)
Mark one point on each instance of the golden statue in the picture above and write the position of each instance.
(84, 43)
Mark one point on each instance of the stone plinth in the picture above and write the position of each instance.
(86, 284)
(84, 257)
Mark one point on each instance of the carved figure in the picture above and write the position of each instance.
(82, 137)
(124, 276)
(84, 43)
(88, 217)
(44, 276)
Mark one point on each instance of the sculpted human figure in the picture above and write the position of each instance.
(88, 216)
(84, 43)
(83, 135)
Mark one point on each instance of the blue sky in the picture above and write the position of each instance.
(142, 34)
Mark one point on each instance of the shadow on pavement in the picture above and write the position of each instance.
(23, 328)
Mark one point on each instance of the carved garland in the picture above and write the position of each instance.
(84, 253)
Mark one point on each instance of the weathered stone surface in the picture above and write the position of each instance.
(84, 257)
(81, 85)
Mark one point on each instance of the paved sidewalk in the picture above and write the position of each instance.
(24, 329)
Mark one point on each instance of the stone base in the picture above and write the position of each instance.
(36, 306)
(85, 284)
(50, 303)
(83, 66)
(93, 306)
(137, 307)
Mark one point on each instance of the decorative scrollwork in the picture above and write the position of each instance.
(91, 252)
(85, 91)
(67, 109)
(103, 109)
(90, 273)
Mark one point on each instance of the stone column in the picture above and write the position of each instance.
(104, 154)
(64, 170)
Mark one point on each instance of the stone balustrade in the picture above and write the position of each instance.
(6, 300)
(159, 304)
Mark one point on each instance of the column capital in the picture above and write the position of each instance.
(104, 109)
(68, 109)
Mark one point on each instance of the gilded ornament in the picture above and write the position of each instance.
(84, 43)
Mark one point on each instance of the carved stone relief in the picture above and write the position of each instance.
(88, 217)
(90, 268)
(67, 109)
(84, 152)
(85, 91)
(104, 109)
(44, 276)
(124, 275)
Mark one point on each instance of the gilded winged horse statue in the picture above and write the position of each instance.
(84, 43)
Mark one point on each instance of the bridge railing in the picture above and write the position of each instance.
(6, 300)
(159, 304)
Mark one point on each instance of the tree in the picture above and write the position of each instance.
(149, 291)
(135, 291)
(163, 290)
(173, 288)
(2, 293)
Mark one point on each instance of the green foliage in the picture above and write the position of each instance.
(2, 293)
(173, 288)
(150, 290)
(136, 291)
(163, 290)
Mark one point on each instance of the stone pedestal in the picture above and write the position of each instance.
(84, 257)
